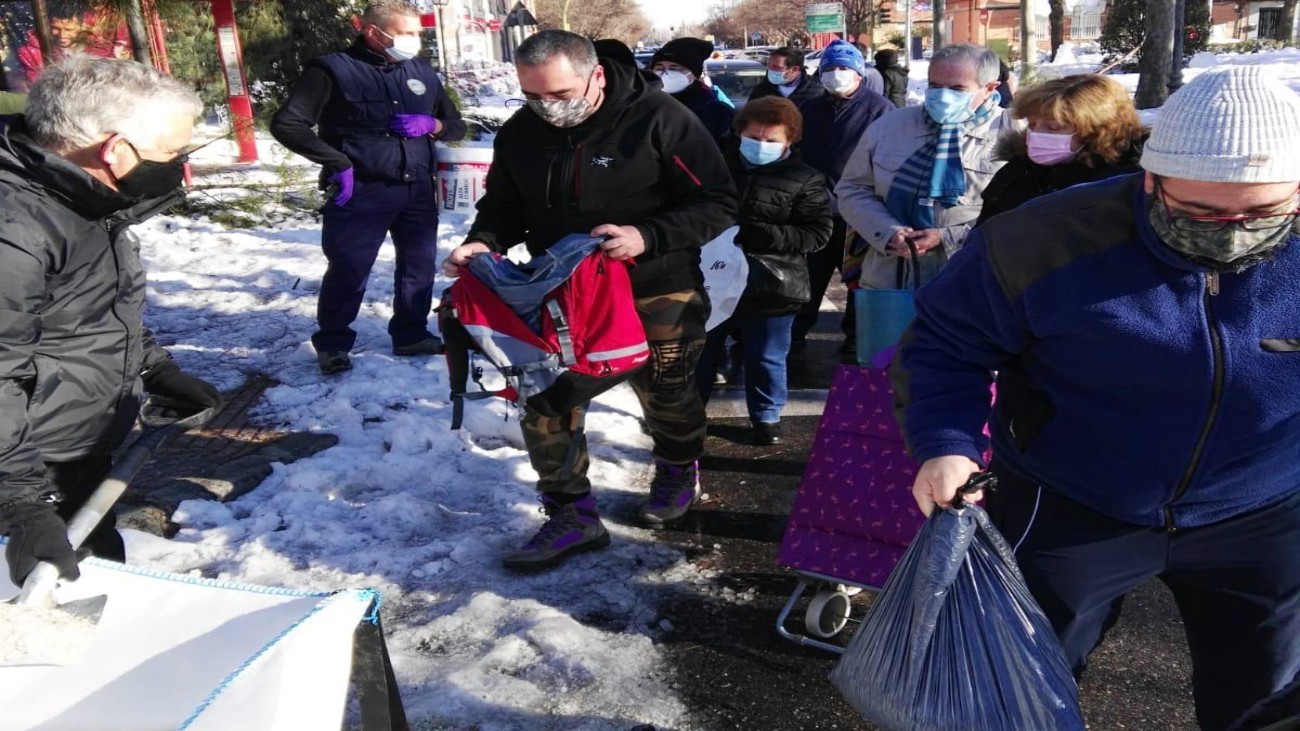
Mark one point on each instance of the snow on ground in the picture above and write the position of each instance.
(405, 505)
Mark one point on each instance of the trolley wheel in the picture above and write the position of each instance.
(827, 613)
(850, 590)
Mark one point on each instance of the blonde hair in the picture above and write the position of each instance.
(1097, 107)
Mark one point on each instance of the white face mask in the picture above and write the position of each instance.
(840, 81)
(404, 48)
(674, 81)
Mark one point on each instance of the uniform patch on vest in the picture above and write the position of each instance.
(416, 86)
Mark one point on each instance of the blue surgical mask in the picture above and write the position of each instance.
(777, 78)
(761, 153)
(946, 106)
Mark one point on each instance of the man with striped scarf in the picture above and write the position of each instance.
(916, 178)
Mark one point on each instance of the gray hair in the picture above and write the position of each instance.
(79, 101)
(378, 12)
(545, 45)
(985, 61)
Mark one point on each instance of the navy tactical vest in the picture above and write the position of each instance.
(366, 97)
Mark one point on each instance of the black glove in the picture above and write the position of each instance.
(189, 393)
(37, 533)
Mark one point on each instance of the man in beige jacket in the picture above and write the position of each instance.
(915, 180)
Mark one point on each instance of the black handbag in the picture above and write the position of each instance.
(777, 279)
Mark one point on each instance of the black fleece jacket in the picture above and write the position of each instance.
(641, 160)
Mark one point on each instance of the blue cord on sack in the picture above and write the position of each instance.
(376, 599)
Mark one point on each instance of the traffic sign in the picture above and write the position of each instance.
(824, 17)
(755, 36)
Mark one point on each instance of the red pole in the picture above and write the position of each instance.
(232, 65)
(157, 36)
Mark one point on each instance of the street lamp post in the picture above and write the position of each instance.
(438, 5)
(1176, 63)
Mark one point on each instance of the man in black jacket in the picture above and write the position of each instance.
(599, 150)
(787, 77)
(377, 108)
(101, 147)
(680, 66)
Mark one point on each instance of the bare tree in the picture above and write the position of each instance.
(621, 19)
(1157, 52)
(938, 27)
(1056, 24)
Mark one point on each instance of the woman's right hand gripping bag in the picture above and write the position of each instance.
(955, 640)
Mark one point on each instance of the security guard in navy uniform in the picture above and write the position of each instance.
(377, 110)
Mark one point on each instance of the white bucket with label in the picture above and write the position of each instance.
(462, 177)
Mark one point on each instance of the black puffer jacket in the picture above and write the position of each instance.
(784, 211)
(72, 344)
(1022, 179)
(895, 77)
(641, 160)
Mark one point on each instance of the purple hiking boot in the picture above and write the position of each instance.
(672, 493)
(570, 528)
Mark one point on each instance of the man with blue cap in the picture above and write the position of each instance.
(833, 123)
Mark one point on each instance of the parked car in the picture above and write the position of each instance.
(643, 58)
(735, 77)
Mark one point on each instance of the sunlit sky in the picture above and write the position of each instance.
(664, 14)
(672, 13)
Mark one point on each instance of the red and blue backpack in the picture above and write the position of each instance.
(560, 329)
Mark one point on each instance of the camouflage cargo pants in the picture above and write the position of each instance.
(674, 325)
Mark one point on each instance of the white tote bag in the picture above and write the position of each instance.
(725, 274)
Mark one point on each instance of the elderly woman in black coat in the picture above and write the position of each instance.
(784, 216)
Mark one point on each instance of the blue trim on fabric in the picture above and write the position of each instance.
(369, 594)
(376, 600)
(200, 581)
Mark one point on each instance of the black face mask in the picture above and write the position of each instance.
(152, 179)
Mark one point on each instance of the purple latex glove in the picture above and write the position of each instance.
(413, 125)
(341, 185)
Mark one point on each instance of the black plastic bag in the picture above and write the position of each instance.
(955, 641)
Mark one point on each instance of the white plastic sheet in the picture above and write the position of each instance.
(175, 652)
(725, 274)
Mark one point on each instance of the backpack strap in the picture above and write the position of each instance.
(457, 343)
(561, 323)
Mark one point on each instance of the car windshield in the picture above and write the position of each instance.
(737, 84)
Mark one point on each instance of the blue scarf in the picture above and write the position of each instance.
(934, 173)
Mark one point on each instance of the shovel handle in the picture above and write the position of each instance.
(40, 583)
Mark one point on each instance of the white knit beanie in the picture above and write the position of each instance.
(1229, 125)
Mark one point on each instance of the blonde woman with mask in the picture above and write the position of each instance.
(1080, 129)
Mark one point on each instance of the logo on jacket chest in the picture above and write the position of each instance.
(416, 86)
(601, 162)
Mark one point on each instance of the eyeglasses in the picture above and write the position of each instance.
(1209, 224)
(182, 156)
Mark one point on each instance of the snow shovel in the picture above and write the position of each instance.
(45, 632)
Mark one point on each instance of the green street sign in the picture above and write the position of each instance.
(824, 17)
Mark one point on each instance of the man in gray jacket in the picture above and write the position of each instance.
(102, 146)
(918, 173)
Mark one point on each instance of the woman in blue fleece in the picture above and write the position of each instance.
(1145, 332)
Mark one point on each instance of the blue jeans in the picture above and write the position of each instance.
(766, 342)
